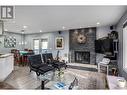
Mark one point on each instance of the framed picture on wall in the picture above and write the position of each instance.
(59, 43)
(9, 42)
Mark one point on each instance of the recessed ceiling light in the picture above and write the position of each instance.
(5, 30)
(80, 27)
(40, 30)
(98, 23)
(63, 27)
(24, 26)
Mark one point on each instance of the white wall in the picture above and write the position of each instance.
(102, 31)
(51, 41)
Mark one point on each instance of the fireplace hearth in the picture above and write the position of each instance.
(82, 57)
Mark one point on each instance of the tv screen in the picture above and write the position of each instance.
(98, 46)
(1, 27)
(103, 46)
(107, 45)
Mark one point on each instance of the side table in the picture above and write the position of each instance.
(101, 68)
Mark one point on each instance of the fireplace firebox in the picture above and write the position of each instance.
(82, 57)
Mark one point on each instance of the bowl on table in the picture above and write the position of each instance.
(121, 83)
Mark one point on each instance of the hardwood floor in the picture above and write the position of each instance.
(21, 78)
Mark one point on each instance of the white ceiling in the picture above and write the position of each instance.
(53, 18)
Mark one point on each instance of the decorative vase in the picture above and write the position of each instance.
(60, 75)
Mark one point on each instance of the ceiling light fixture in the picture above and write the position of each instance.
(98, 23)
(80, 27)
(24, 26)
(40, 30)
(5, 30)
(63, 27)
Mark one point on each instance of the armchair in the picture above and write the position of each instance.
(36, 64)
(48, 58)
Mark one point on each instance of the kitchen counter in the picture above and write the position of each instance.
(5, 55)
(6, 65)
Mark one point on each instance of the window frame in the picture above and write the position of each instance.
(41, 43)
(34, 44)
(124, 54)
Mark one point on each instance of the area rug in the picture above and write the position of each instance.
(21, 78)
(89, 80)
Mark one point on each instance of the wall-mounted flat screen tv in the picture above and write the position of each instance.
(1, 27)
(103, 46)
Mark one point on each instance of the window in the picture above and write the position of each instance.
(44, 45)
(125, 47)
(36, 46)
(40, 45)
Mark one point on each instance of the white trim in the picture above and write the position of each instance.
(125, 21)
(125, 69)
(124, 49)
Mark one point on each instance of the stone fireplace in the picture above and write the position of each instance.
(82, 45)
(82, 57)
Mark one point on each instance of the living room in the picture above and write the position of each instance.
(77, 39)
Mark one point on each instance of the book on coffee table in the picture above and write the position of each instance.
(60, 85)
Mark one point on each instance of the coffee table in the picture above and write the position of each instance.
(58, 81)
